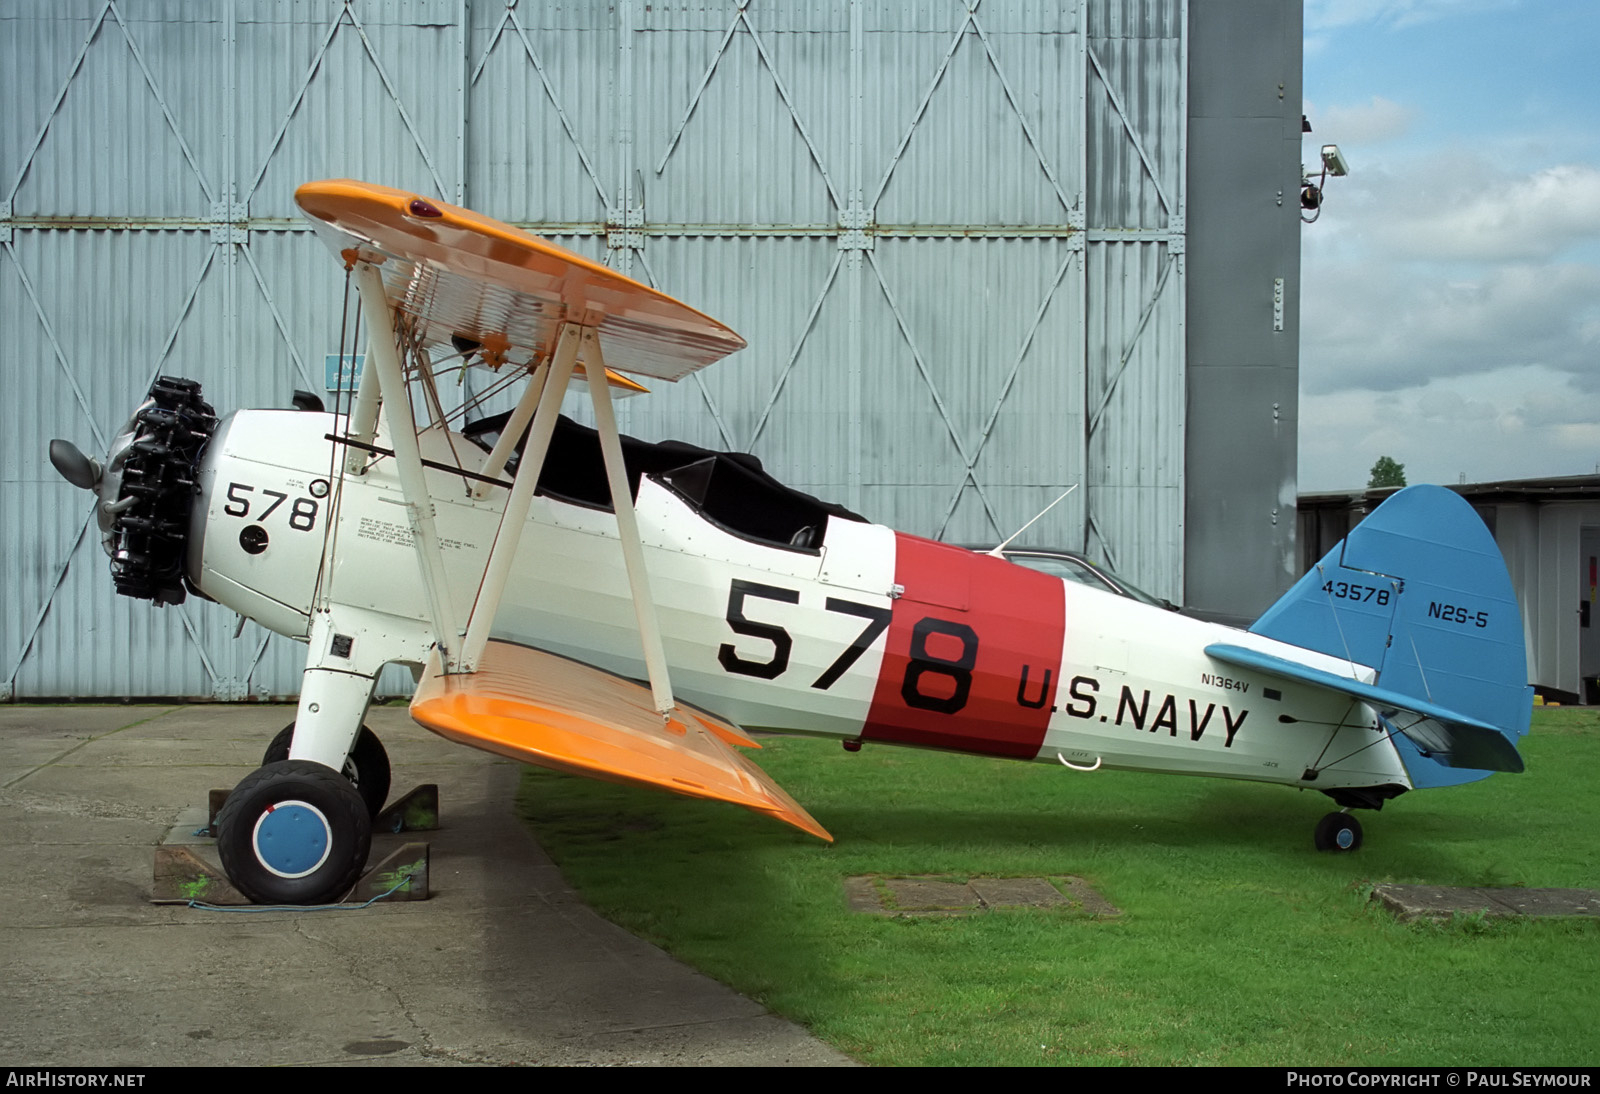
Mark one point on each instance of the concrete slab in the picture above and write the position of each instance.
(928, 896)
(1017, 892)
(1443, 901)
(504, 965)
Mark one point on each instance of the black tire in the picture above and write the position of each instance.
(1338, 832)
(294, 832)
(367, 766)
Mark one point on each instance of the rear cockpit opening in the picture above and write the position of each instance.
(729, 489)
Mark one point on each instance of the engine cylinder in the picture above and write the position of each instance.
(146, 539)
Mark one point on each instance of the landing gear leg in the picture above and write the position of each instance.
(297, 830)
(332, 706)
(1338, 832)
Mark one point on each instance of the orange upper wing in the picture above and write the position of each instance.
(456, 272)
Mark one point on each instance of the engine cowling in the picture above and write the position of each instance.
(149, 487)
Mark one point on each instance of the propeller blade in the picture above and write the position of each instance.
(74, 466)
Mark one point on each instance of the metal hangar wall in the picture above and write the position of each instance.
(1243, 332)
(955, 234)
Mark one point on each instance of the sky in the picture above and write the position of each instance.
(1450, 307)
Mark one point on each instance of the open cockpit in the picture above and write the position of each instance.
(729, 489)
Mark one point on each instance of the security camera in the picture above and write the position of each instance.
(1333, 161)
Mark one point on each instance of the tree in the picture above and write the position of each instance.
(1387, 473)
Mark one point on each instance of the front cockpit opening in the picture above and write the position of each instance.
(730, 489)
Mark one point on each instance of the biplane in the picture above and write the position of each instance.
(626, 610)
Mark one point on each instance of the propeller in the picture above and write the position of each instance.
(74, 466)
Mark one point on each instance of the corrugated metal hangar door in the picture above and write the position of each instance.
(951, 232)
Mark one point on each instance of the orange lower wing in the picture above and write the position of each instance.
(547, 710)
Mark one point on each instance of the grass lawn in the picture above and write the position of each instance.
(1238, 944)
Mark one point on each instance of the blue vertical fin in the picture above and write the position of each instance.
(1419, 591)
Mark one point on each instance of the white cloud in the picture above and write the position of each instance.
(1445, 266)
(1450, 305)
(1459, 204)
(1476, 216)
(1373, 122)
(1523, 422)
(1389, 327)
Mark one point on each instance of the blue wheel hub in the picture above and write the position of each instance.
(1345, 839)
(292, 839)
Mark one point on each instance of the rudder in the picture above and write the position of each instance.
(1419, 591)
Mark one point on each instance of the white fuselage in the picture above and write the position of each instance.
(762, 633)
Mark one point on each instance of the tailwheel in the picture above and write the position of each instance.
(367, 766)
(294, 832)
(1338, 832)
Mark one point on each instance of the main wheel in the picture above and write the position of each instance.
(367, 766)
(294, 832)
(1338, 832)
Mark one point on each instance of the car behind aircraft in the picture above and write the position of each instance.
(1074, 566)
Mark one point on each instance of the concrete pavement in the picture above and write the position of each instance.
(504, 965)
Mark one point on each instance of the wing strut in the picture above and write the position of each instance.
(363, 421)
(516, 425)
(575, 341)
(501, 556)
(408, 454)
(644, 608)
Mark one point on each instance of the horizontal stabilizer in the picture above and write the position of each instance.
(546, 710)
(1445, 736)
